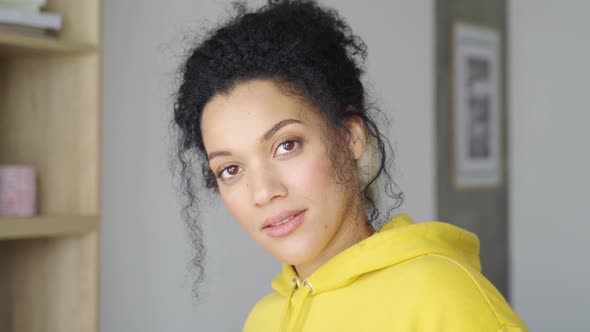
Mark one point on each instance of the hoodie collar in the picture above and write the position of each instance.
(399, 239)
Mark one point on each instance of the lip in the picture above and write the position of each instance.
(286, 228)
(280, 217)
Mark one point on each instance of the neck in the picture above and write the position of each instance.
(350, 233)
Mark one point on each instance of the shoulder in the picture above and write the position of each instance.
(453, 292)
(436, 293)
(265, 313)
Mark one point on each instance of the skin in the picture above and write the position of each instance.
(264, 169)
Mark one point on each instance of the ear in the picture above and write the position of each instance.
(357, 137)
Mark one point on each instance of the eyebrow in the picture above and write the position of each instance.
(267, 135)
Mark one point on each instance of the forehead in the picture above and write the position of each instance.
(248, 110)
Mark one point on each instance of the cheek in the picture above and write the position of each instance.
(314, 177)
(235, 202)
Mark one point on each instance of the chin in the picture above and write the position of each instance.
(294, 260)
(296, 253)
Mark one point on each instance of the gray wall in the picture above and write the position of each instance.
(145, 284)
(550, 162)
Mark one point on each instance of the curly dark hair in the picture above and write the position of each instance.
(312, 54)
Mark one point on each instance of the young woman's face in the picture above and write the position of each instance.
(274, 172)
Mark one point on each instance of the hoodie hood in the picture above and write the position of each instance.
(404, 277)
(399, 240)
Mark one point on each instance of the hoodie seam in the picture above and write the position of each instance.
(502, 325)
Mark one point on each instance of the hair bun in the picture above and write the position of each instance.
(277, 2)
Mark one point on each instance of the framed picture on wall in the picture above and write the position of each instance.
(476, 106)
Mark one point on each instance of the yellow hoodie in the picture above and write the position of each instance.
(405, 277)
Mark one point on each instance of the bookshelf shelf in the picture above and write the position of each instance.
(46, 226)
(14, 44)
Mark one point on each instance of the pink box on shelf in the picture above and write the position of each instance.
(18, 191)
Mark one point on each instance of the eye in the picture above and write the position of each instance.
(287, 147)
(229, 172)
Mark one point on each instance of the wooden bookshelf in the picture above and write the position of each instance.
(13, 44)
(50, 118)
(46, 226)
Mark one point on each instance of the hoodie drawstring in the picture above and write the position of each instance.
(289, 325)
(295, 284)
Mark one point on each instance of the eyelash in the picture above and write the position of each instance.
(287, 140)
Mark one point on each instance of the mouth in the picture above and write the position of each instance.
(281, 218)
(284, 223)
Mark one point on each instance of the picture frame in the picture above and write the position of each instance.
(477, 106)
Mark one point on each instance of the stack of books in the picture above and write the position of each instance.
(26, 17)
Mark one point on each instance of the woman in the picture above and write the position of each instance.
(272, 107)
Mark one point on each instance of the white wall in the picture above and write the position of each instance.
(550, 162)
(400, 76)
(145, 285)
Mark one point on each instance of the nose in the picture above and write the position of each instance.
(265, 185)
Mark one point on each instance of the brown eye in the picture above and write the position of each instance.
(232, 170)
(287, 147)
(229, 172)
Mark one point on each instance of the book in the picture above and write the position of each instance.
(36, 2)
(25, 5)
(41, 20)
